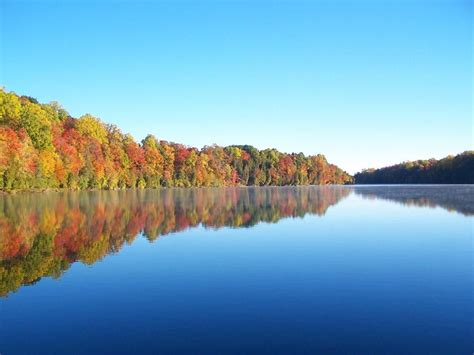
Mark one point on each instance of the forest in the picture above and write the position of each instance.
(43, 147)
(457, 169)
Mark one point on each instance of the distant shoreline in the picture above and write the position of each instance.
(58, 190)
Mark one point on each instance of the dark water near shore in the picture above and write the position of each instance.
(361, 269)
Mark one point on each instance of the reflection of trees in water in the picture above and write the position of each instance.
(459, 198)
(42, 234)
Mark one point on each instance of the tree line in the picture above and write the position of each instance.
(42, 146)
(457, 169)
(43, 234)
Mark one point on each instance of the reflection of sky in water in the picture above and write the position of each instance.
(365, 275)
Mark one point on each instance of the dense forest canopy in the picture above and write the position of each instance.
(42, 146)
(450, 170)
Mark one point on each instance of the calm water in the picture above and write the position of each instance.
(369, 269)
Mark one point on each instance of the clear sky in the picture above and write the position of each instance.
(367, 83)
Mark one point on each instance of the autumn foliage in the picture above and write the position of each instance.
(41, 147)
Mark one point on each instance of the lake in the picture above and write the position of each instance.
(336, 269)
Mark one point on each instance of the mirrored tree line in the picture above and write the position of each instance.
(42, 234)
(460, 198)
(42, 146)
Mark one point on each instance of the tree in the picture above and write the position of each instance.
(37, 124)
(10, 108)
(92, 127)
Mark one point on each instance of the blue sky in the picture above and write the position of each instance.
(367, 83)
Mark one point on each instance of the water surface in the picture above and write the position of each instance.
(364, 269)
